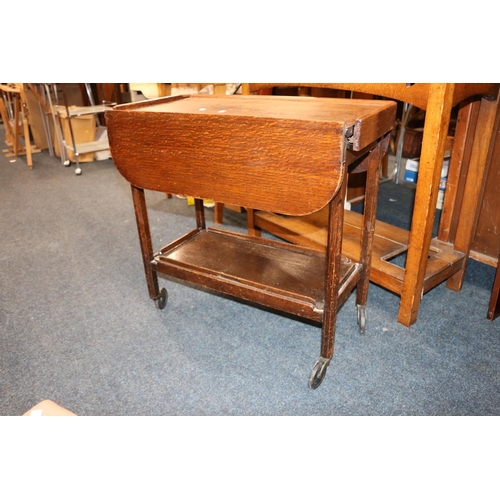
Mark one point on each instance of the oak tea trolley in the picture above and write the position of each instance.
(289, 155)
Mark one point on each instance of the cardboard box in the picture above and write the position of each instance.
(102, 135)
(84, 130)
(411, 176)
(411, 170)
(48, 408)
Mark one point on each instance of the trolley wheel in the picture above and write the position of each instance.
(161, 300)
(78, 171)
(318, 372)
(67, 163)
(361, 317)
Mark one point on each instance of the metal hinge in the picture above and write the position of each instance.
(156, 258)
(349, 135)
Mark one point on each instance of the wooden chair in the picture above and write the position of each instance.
(429, 261)
(286, 155)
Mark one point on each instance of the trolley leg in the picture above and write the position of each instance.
(141, 215)
(369, 218)
(334, 250)
(200, 214)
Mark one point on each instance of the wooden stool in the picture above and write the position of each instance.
(280, 154)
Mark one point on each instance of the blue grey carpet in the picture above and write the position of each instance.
(77, 325)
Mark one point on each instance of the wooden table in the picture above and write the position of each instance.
(280, 154)
(429, 261)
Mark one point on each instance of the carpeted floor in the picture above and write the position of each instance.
(77, 325)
